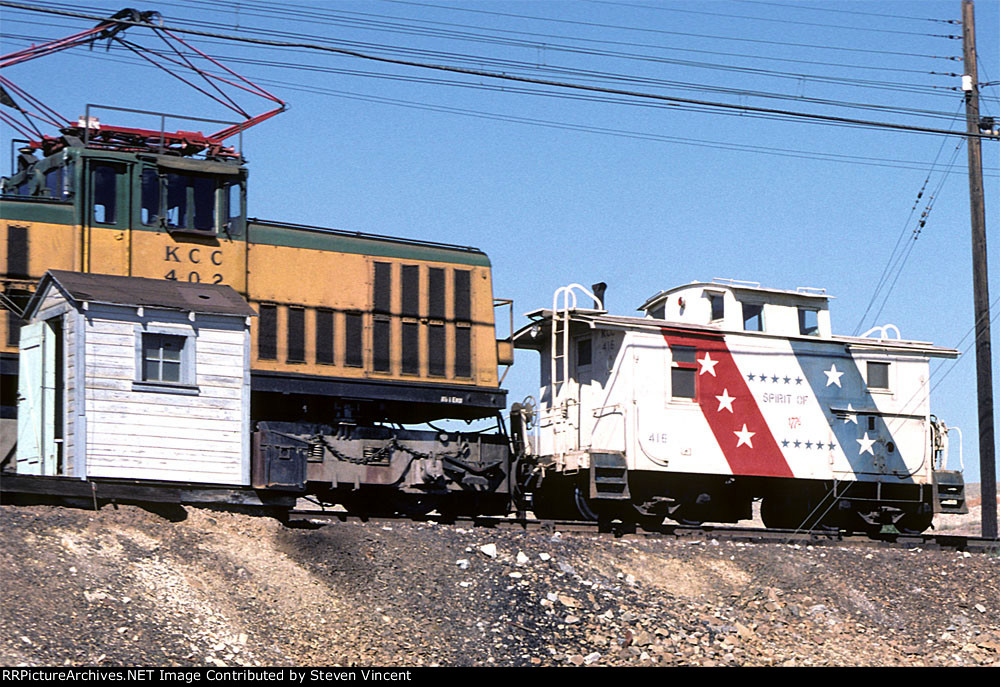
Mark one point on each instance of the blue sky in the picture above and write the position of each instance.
(559, 189)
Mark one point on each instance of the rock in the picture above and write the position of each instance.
(981, 608)
(463, 563)
(571, 620)
(568, 601)
(577, 659)
(522, 558)
(545, 557)
(592, 658)
(489, 549)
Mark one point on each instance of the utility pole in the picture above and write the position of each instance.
(977, 204)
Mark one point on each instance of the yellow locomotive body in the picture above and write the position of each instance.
(356, 332)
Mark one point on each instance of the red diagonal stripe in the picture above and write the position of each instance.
(764, 457)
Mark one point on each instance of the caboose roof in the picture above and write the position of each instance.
(803, 294)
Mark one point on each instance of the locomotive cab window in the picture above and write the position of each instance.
(107, 182)
(190, 203)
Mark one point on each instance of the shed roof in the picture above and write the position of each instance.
(216, 299)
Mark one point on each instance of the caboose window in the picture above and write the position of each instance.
(878, 375)
(753, 317)
(683, 373)
(717, 301)
(808, 322)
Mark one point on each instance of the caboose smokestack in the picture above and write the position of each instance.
(598, 290)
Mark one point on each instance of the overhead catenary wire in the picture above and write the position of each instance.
(863, 160)
(805, 116)
(612, 77)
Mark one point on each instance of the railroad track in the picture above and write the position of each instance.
(760, 535)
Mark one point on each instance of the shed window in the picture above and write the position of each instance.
(683, 373)
(583, 352)
(878, 375)
(753, 317)
(162, 358)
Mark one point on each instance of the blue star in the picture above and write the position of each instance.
(832, 446)
(751, 376)
(797, 443)
(798, 380)
(787, 380)
(774, 378)
(784, 443)
(809, 444)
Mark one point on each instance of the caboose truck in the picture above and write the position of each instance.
(357, 334)
(726, 392)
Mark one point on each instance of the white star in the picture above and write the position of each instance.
(850, 417)
(866, 445)
(726, 401)
(707, 365)
(832, 376)
(744, 437)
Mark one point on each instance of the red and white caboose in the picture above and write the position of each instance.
(726, 392)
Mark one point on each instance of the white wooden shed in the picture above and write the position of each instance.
(124, 377)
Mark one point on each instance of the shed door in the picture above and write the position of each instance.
(37, 402)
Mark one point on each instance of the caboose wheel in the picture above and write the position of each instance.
(914, 523)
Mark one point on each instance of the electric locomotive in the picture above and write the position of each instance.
(357, 335)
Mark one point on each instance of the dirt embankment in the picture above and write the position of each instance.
(128, 587)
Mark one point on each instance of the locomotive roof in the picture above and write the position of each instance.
(215, 299)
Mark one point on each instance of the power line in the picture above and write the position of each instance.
(768, 19)
(813, 117)
(666, 32)
(841, 11)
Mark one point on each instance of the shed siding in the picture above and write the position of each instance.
(156, 435)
